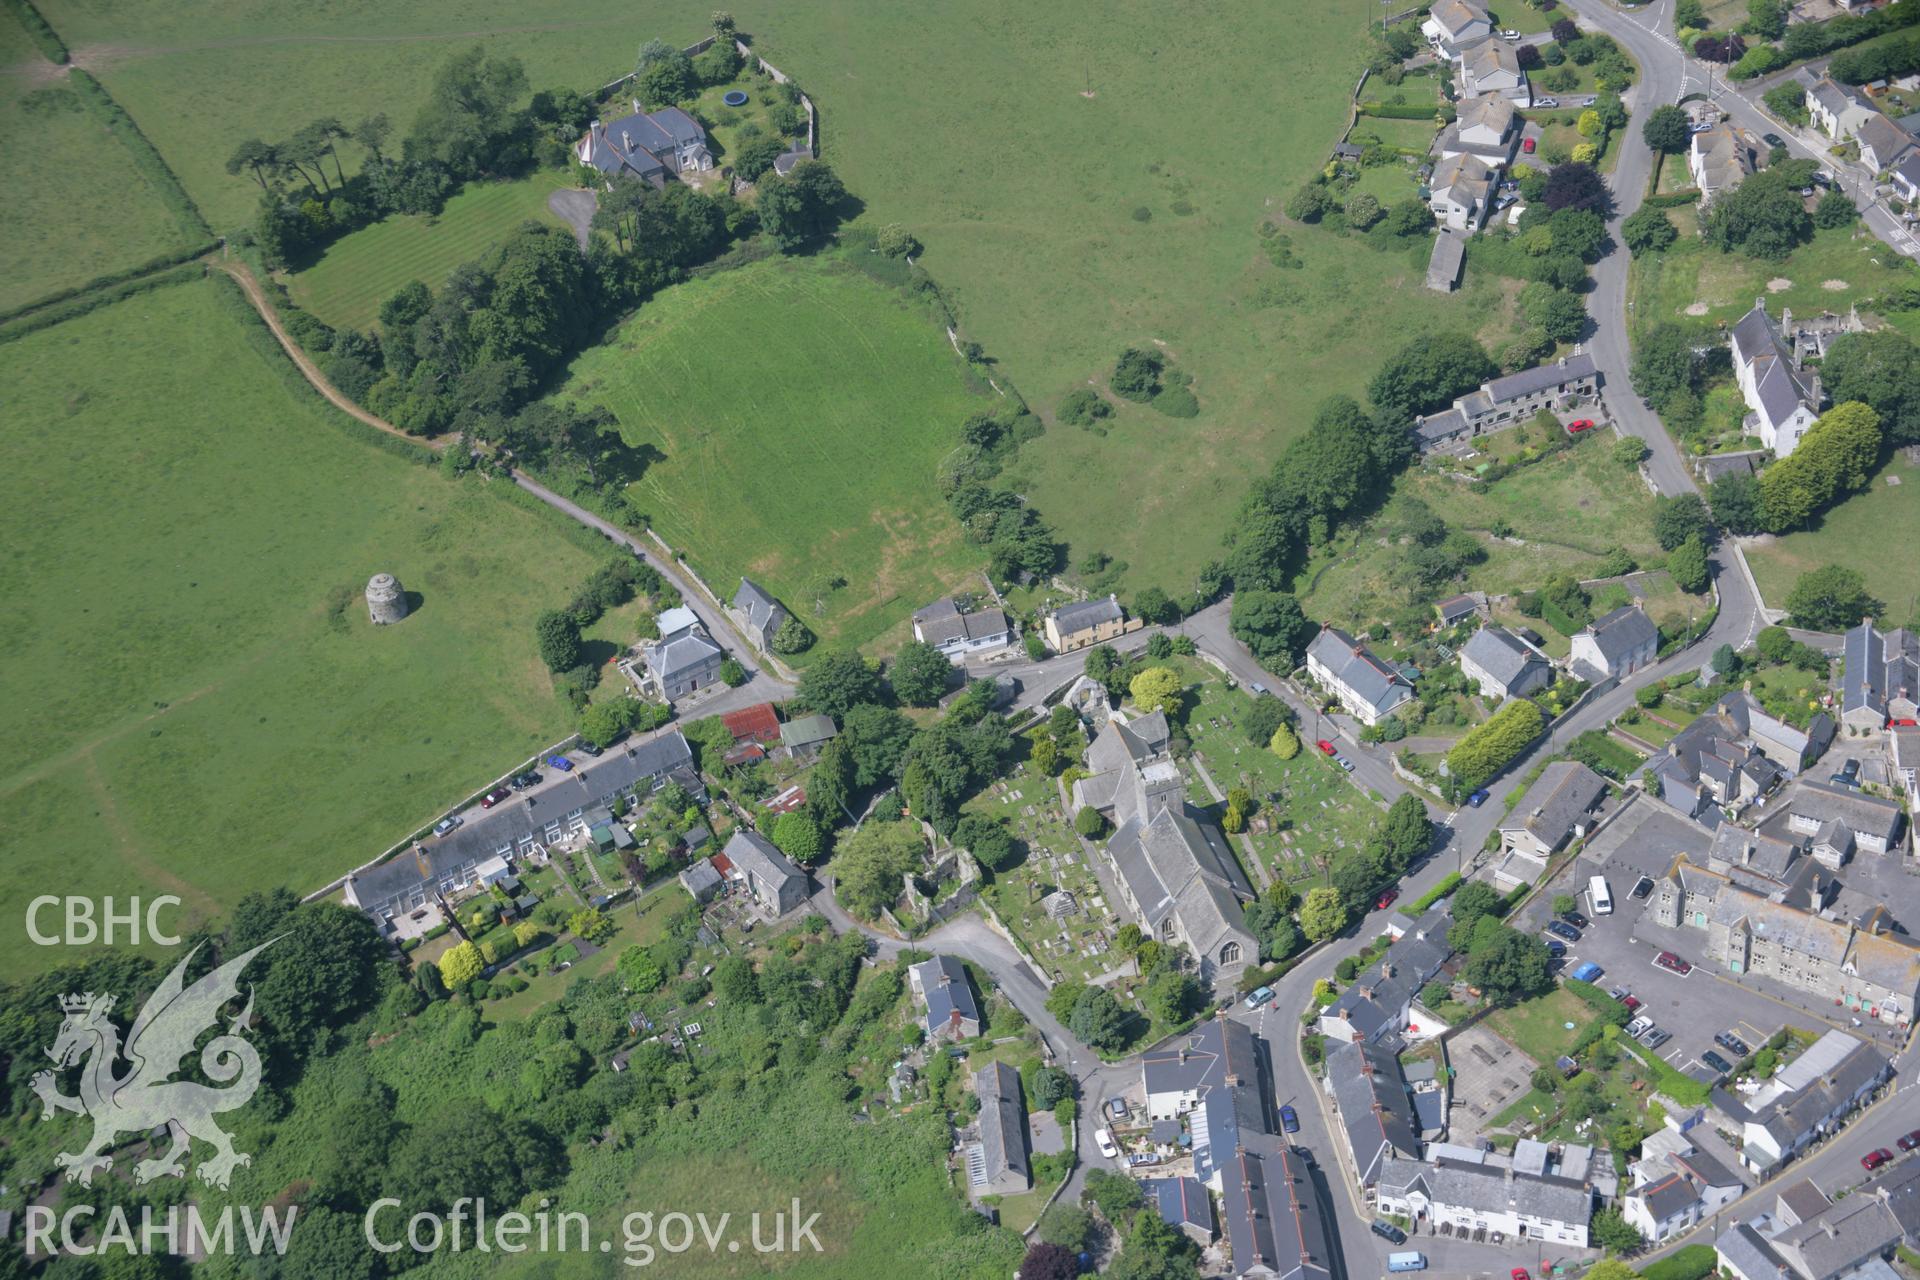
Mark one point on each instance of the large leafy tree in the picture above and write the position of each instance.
(1322, 914)
(1271, 624)
(1831, 598)
(1428, 373)
(1880, 368)
(1835, 458)
(870, 862)
(1666, 129)
(800, 208)
(920, 674)
(1679, 518)
(1763, 217)
(1508, 966)
(471, 121)
(1576, 185)
(837, 681)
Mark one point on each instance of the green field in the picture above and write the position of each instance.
(58, 228)
(1859, 534)
(196, 701)
(801, 407)
(346, 286)
(1691, 281)
(1016, 141)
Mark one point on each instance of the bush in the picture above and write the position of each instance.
(1083, 407)
(1695, 1262)
(1136, 375)
(1492, 746)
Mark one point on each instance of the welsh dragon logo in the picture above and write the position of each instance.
(145, 1098)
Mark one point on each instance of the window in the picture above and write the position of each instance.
(1230, 953)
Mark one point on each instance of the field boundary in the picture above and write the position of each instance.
(51, 46)
(141, 151)
(74, 308)
(159, 262)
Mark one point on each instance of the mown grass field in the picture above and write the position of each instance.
(1861, 533)
(196, 701)
(802, 408)
(58, 227)
(346, 286)
(1016, 141)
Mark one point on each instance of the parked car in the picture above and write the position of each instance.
(1520, 1273)
(1344, 763)
(1574, 918)
(1656, 1037)
(1773, 140)
(561, 763)
(1108, 1147)
(1139, 1158)
(521, 781)
(1717, 1062)
(1632, 1003)
(1733, 1044)
(447, 824)
(1556, 948)
(1911, 1141)
(1508, 33)
(1639, 1026)
(1326, 748)
(1117, 1108)
(1562, 930)
(494, 797)
(1257, 689)
(1479, 797)
(589, 748)
(1587, 972)
(1874, 1159)
(1388, 1232)
(1578, 425)
(1673, 963)
(1260, 997)
(1642, 887)
(1546, 102)
(1289, 1120)
(1526, 145)
(1821, 178)
(1618, 993)
(1385, 900)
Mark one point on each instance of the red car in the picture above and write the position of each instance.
(1673, 963)
(1911, 1141)
(1578, 425)
(1520, 1273)
(1326, 748)
(1632, 1003)
(1874, 1159)
(494, 797)
(1386, 900)
(1526, 145)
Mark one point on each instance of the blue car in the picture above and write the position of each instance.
(1478, 798)
(1555, 947)
(561, 763)
(1587, 972)
(1289, 1120)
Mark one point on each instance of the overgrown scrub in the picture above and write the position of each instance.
(51, 46)
(1492, 746)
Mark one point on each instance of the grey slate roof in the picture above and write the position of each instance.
(1879, 664)
(1546, 377)
(1455, 16)
(762, 611)
(1458, 608)
(1622, 631)
(1438, 427)
(1723, 158)
(1560, 800)
(1355, 666)
(753, 853)
(944, 986)
(687, 652)
(1668, 1196)
(1835, 97)
(1780, 387)
(942, 622)
(1888, 141)
(1846, 1234)
(1858, 813)
(1743, 1249)
(1074, 618)
(1182, 1202)
(1501, 655)
(1375, 1108)
(1003, 1122)
(641, 142)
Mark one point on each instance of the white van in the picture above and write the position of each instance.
(1597, 893)
(1406, 1262)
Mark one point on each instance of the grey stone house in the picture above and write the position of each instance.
(1509, 401)
(998, 1164)
(684, 659)
(758, 614)
(773, 881)
(1503, 665)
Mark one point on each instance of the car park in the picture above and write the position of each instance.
(1717, 1062)
(1911, 1141)
(1385, 900)
(1732, 1044)
(1388, 1232)
(494, 797)
(1874, 1159)
(1104, 1140)
(1587, 972)
(1326, 748)
(561, 763)
(1260, 997)
(1562, 930)
(1479, 797)
(1574, 918)
(1654, 1037)
(447, 824)
(1672, 963)
(1289, 1120)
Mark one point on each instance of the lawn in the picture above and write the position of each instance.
(1538, 1027)
(801, 408)
(197, 703)
(358, 272)
(57, 227)
(1832, 272)
(636, 924)
(1857, 533)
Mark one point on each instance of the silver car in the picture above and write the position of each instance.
(1655, 1037)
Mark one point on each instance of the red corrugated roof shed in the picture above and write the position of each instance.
(787, 801)
(757, 723)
